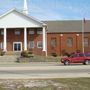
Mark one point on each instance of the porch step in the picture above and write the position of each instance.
(12, 53)
(9, 58)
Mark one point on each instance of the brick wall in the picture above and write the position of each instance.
(11, 37)
(36, 37)
(62, 42)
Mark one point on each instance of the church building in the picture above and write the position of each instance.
(21, 32)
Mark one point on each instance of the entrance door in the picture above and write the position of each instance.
(17, 46)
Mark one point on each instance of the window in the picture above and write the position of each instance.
(1, 45)
(74, 55)
(39, 44)
(2, 32)
(31, 32)
(39, 32)
(87, 54)
(81, 55)
(53, 42)
(31, 44)
(86, 42)
(17, 32)
(70, 42)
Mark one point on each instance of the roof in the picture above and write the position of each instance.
(29, 17)
(66, 26)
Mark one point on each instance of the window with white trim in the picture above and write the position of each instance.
(1, 45)
(31, 32)
(86, 41)
(2, 32)
(17, 32)
(39, 44)
(31, 44)
(53, 42)
(39, 32)
(69, 41)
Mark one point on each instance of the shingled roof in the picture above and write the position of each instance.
(66, 26)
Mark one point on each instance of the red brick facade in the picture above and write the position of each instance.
(61, 42)
(11, 37)
(60, 39)
(36, 37)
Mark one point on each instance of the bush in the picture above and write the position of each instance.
(65, 53)
(54, 54)
(2, 53)
(27, 54)
(24, 53)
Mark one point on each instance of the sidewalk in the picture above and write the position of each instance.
(43, 76)
(30, 64)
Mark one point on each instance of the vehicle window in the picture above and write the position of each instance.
(81, 55)
(74, 55)
(87, 54)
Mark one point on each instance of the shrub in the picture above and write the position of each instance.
(27, 54)
(2, 53)
(24, 53)
(65, 53)
(54, 54)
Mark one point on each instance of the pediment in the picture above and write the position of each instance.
(15, 18)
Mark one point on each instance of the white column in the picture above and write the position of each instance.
(25, 38)
(5, 40)
(44, 38)
(46, 43)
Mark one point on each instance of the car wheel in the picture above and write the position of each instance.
(86, 62)
(66, 62)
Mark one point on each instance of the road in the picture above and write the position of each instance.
(41, 70)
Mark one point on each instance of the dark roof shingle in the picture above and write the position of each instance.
(67, 26)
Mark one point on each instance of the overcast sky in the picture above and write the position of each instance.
(51, 9)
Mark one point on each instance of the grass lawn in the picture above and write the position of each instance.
(46, 84)
(37, 58)
(75, 83)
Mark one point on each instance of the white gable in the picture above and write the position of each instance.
(16, 19)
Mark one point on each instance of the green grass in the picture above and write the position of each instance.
(37, 58)
(1, 87)
(47, 59)
(37, 88)
(64, 84)
(76, 83)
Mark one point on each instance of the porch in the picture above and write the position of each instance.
(19, 39)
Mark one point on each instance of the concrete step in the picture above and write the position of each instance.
(9, 58)
(12, 53)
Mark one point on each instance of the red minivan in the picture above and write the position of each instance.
(77, 58)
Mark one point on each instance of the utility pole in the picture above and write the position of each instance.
(83, 27)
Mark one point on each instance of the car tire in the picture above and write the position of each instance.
(86, 62)
(66, 62)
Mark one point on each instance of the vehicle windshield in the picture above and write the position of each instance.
(73, 55)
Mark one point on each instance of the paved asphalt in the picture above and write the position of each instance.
(43, 70)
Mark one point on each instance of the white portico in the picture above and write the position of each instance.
(20, 23)
(16, 19)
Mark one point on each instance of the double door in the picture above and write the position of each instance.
(17, 46)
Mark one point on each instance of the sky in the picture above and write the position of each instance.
(51, 9)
